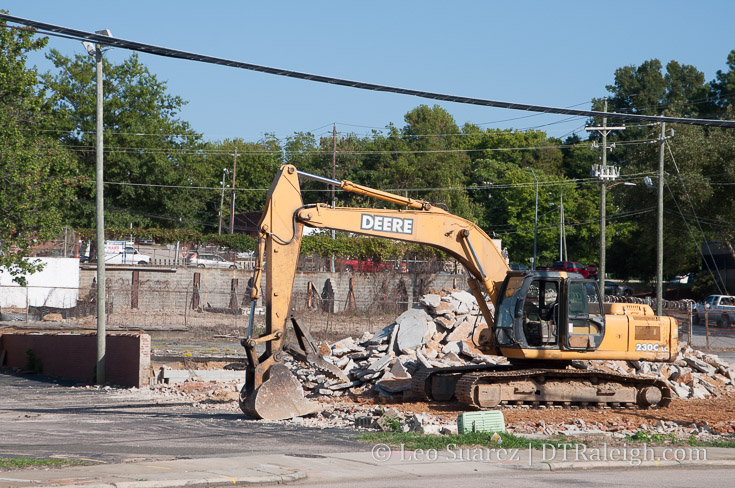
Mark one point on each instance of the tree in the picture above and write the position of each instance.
(257, 164)
(722, 92)
(150, 155)
(38, 175)
(424, 159)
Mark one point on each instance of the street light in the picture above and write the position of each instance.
(96, 51)
(624, 183)
(562, 227)
(535, 222)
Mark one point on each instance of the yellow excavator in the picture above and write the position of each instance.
(542, 320)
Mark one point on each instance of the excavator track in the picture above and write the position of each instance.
(494, 386)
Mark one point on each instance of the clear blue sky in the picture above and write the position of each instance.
(539, 52)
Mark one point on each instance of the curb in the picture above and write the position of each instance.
(590, 465)
(195, 483)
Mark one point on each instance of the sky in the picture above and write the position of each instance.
(560, 54)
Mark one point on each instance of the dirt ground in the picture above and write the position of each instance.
(712, 411)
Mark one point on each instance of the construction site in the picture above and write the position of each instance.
(390, 350)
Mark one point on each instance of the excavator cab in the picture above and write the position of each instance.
(549, 310)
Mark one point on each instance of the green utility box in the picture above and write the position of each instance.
(486, 421)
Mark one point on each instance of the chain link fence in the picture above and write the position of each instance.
(348, 303)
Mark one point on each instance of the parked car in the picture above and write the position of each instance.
(363, 265)
(618, 289)
(572, 267)
(206, 260)
(125, 255)
(683, 279)
(518, 267)
(721, 310)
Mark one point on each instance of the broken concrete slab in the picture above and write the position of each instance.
(394, 385)
(466, 301)
(412, 330)
(700, 365)
(398, 370)
(382, 335)
(452, 347)
(430, 300)
(379, 364)
(171, 376)
(444, 308)
(463, 331)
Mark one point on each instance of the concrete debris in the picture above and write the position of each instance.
(700, 365)
(448, 329)
(693, 375)
(412, 329)
(431, 300)
(398, 370)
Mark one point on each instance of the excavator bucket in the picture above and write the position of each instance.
(279, 397)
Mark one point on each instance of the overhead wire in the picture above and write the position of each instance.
(55, 30)
(699, 226)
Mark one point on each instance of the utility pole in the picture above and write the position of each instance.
(660, 234)
(222, 200)
(100, 231)
(561, 226)
(332, 267)
(232, 199)
(604, 173)
(535, 224)
(96, 50)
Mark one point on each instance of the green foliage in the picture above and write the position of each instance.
(390, 420)
(39, 176)
(366, 248)
(644, 436)
(27, 462)
(412, 440)
(168, 236)
(145, 144)
(170, 184)
(693, 441)
(32, 362)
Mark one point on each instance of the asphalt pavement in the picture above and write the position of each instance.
(132, 441)
(44, 418)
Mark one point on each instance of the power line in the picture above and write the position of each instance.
(202, 151)
(55, 30)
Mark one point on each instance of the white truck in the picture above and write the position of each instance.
(123, 252)
(721, 310)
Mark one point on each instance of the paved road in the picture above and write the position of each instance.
(40, 418)
(650, 478)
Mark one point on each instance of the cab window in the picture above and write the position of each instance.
(541, 313)
(586, 322)
(511, 295)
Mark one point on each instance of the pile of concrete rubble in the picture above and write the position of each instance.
(693, 375)
(446, 331)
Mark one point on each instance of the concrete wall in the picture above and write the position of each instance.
(54, 286)
(74, 356)
(165, 290)
(371, 289)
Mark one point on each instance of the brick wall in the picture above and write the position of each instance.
(74, 356)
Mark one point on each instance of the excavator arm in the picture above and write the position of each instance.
(268, 391)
